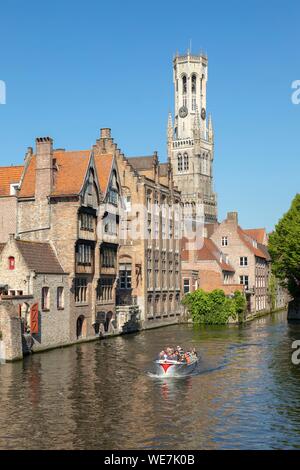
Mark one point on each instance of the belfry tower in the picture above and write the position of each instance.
(191, 138)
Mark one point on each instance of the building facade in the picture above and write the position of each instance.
(70, 199)
(190, 137)
(212, 268)
(249, 258)
(149, 255)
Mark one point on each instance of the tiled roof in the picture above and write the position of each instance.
(141, 163)
(9, 175)
(72, 168)
(163, 169)
(265, 250)
(39, 257)
(248, 241)
(209, 251)
(259, 234)
(103, 165)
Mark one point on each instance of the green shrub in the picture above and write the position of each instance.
(214, 308)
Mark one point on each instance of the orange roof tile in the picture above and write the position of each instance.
(209, 251)
(103, 166)
(259, 234)
(248, 241)
(72, 168)
(9, 175)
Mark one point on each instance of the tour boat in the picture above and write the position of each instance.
(171, 368)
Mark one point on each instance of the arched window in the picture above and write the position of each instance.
(184, 82)
(185, 161)
(180, 167)
(11, 263)
(194, 80)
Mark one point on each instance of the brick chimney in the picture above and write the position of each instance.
(105, 133)
(106, 143)
(44, 167)
(232, 217)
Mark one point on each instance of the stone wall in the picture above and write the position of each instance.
(8, 215)
(10, 328)
(54, 324)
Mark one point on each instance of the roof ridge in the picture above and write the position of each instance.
(32, 241)
(12, 166)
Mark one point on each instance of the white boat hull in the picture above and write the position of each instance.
(165, 368)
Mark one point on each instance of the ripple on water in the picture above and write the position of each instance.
(244, 393)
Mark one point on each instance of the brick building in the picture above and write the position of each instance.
(32, 272)
(10, 178)
(149, 257)
(71, 200)
(248, 254)
(207, 268)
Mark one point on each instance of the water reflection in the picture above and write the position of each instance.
(244, 394)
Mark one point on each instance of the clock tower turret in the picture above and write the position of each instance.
(190, 142)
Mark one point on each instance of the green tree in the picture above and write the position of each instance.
(213, 308)
(284, 248)
(240, 304)
(272, 291)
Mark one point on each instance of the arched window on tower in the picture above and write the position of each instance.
(184, 82)
(185, 161)
(194, 80)
(180, 166)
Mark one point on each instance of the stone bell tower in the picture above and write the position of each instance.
(190, 137)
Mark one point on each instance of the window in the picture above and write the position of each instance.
(150, 305)
(149, 201)
(180, 165)
(113, 197)
(86, 222)
(105, 289)
(14, 187)
(194, 81)
(125, 276)
(85, 254)
(60, 298)
(11, 263)
(45, 298)
(184, 81)
(127, 203)
(186, 286)
(80, 290)
(110, 223)
(243, 261)
(244, 280)
(186, 162)
(108, 256)
(224, 241)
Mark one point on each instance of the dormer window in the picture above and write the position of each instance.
(14, 188)
(11, 263)
(113, 197)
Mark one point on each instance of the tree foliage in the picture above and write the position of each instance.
(284, 248)
(214, 308)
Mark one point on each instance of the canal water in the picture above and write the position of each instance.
(100, 395)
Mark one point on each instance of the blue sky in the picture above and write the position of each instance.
(72, 67)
